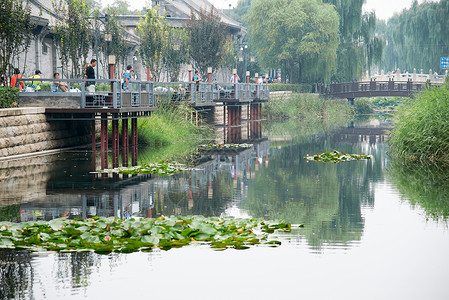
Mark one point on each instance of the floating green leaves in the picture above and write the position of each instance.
(106, 235)
(335, 157)
(225, 146)
(162, 168)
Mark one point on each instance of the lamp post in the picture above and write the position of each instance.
(209, 72)
(243, 49)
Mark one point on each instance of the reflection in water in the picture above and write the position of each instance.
(16, 274)
(326, 197)
(423, 184)
(265, 181)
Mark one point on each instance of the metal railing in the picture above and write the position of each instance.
(108, 93)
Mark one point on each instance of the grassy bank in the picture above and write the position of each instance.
(171, 133)
(305, 106)
(303, 115)
(421, 130)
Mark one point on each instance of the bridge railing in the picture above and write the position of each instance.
(374, 86)
(109, 93)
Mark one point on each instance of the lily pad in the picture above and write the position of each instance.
(336, 157)
(106, 235)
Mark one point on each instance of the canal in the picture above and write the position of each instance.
(373, 229)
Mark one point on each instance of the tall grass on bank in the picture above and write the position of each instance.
(172, 124)
(421, 129)
(305, 106)
(304, 115)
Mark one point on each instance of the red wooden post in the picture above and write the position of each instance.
(209, 72)
(134, 141)
(148, 74)
(115, 144)
(104, 141)
(125, 141)
(94, 147)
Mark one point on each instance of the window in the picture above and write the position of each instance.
(44, 48)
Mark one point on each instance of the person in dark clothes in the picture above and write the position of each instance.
(90, 72)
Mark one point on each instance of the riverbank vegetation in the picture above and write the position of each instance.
(424, 184)
(314, 116)
(421, 130)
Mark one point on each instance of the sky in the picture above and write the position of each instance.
(383, 8)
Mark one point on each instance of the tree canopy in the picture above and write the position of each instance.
(299, 34)
(207, 38)
(15, 33)
(417, 37)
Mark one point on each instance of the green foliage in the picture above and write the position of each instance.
(15, 33)
(119, 45)
(421, 129)
(207, 39)
(175, 57)
(424, 184)
(171, 124)
(300, 34)
(73, 34)
(359, 46)
(296, 88)
(162, 168)
(122, 8)
(363, 107)
(153, 32)
(387, 102)
(335, 157)
(306, 106)
(106, 235)
(417, 37)
(8, 96)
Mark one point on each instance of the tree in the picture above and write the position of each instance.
(417, 37)
(118, 46)
(296, 34)
(73, 34)
(122, 7)
(177, 50)
(153, 32)
(15, 33)
(207, 37)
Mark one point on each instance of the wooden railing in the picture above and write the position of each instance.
(374, 89)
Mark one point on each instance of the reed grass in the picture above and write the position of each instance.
(421, 130)
(172, 124)
(305, 106)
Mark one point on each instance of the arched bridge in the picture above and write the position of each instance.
(374, 88)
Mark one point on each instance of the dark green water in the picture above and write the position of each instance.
(373, 229)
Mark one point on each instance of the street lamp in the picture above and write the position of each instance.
(243, 49)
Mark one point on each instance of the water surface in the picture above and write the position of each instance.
(367, 235)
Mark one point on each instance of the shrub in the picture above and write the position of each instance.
(8, 96)
(363, 107)
(274, 87)
(421, 129)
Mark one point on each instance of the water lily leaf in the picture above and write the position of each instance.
(56, 224)
(149, 239)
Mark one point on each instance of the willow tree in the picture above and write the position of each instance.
(359, 46)
(153, 32)
(417, 37)
(207, 38)
(301, 34)
(73, 34)
(15, 33)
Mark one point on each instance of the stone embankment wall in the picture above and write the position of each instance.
(27, 130)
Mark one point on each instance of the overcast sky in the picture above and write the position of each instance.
(383, 8)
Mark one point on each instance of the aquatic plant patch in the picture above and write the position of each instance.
(162, 168)
(336, 157)
(106, 235)
(225, 146)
